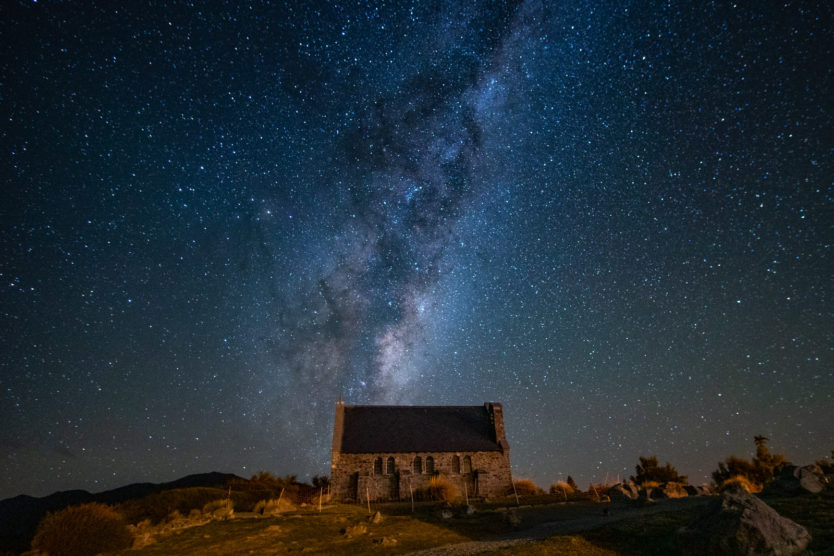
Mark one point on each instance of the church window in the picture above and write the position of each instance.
(430, 465)
(378, 466)
(456, 465)
(418, 465)
(467, 464)
(389, 467)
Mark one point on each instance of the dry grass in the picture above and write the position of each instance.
(80, 530)
(273, 506)
(158, 507)
(746, 484)
(442, 488)
(219, 509)
(526, 487)
(562, 489)
(557, 545)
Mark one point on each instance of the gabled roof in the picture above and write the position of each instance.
(381, 428)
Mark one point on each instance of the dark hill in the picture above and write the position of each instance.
(19, 516)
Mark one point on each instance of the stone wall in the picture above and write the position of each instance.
(353, 476)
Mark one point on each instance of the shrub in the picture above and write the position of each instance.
(442, 488)
(80, 530)
(758, 471)
(526, 487)
(321, 481)
(562, 488)
(827, 464)
(572, 483)
(648, 470)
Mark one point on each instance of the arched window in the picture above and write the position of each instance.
(430, 465)
(389, 467)
(467, 464)
(418, 465)
(378, 466)
(456, 465)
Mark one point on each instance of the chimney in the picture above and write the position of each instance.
(338, 431)
(496, 418)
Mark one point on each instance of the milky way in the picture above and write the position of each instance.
(616, 219)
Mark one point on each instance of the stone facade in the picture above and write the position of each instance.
(394, 475)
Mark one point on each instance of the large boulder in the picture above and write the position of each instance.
(793, 480)
(623, 492)
(741, 524)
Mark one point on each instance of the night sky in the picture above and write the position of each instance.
(616, 218)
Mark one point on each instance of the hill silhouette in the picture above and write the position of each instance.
(20, 515)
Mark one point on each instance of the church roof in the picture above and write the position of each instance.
(381, 428)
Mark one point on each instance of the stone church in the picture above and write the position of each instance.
(388, 452)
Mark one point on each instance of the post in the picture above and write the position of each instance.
(321, 491)
(411, 492)
(368, 497)
(466, 492)
(516, 495)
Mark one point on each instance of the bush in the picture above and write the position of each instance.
(526, 487)
(648, 470)
(80, 530)
(827, 464)
(442, 488)
(758, 471)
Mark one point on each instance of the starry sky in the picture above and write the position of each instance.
(616, 218)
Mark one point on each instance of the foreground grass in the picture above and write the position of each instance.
(815, 513)
(346, 529)
(337, 530)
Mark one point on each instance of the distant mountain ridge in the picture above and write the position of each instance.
(20, 515)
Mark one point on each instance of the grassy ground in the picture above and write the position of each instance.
(815, 513)
(346, 529)
(336, 530)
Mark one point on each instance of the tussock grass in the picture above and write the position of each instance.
(748, 485)
(526, 487)
(561, 487)
(442, 488)
(273, 506)
(219, 509)
(81, 530)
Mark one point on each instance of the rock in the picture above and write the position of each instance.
(623, 492)
(470, 509)
(512, 518)
(446, 513)
(376, 518)
(792, 480)
(811, 479)
(739, 523)
(356, 531)
(385, 541)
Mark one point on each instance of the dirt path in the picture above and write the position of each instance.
(561, 527)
